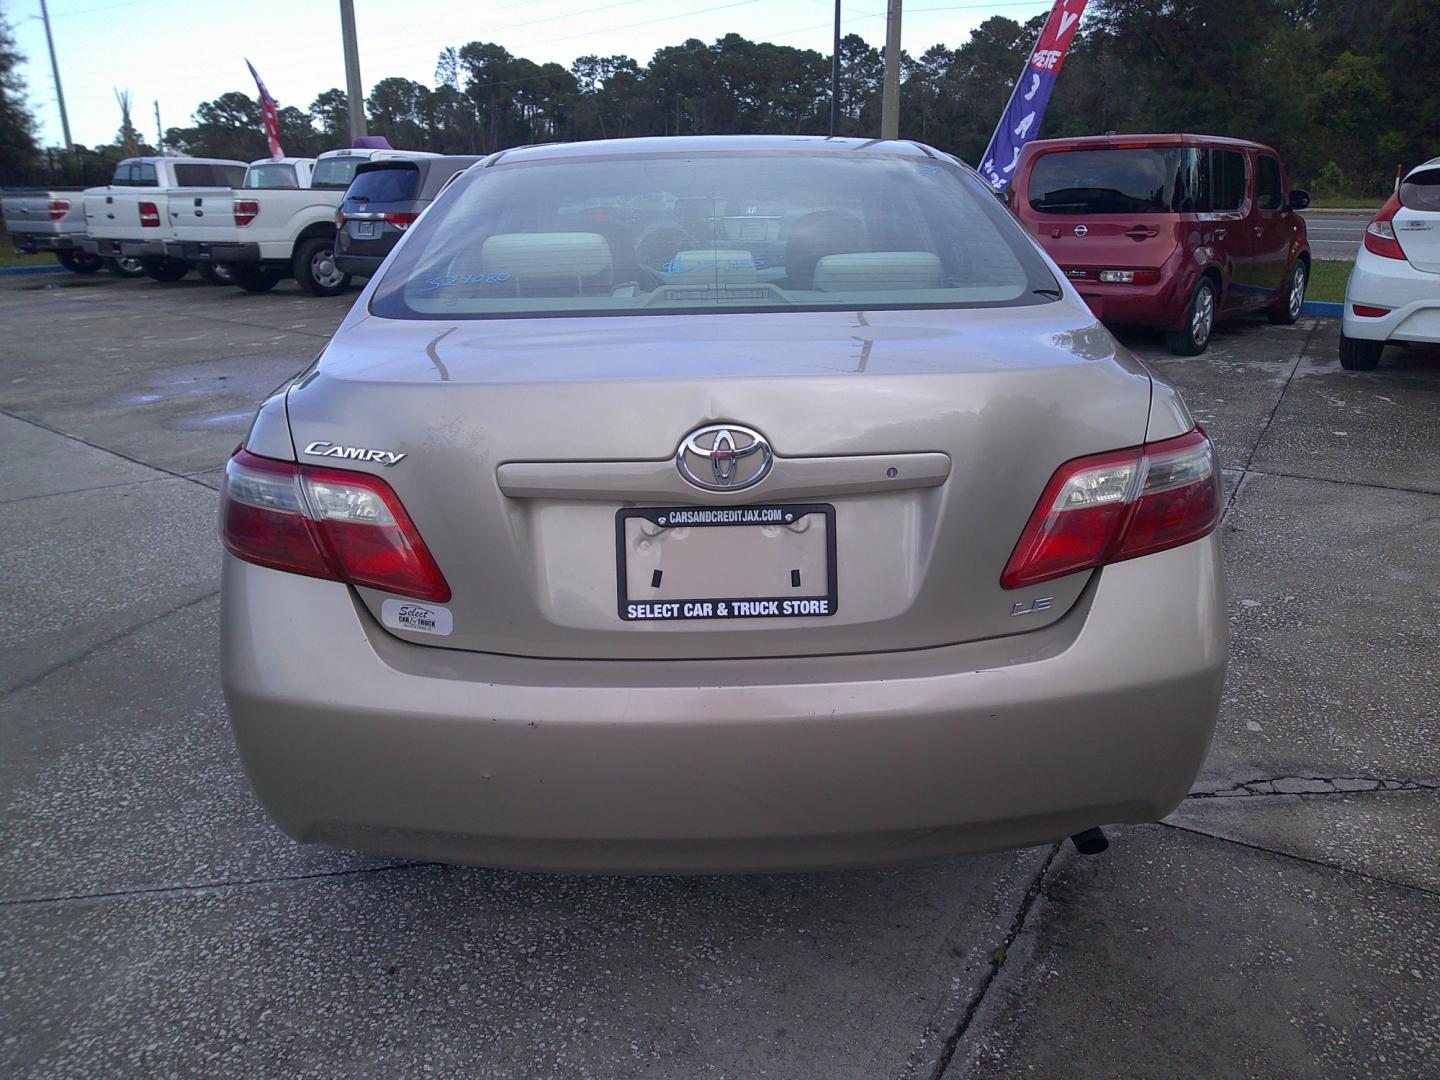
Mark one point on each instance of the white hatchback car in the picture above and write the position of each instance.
(1394, 289)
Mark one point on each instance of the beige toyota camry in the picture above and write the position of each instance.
(720, 504)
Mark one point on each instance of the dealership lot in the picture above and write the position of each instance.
(1285, 920)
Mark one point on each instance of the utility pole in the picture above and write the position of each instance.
(890, 94)
(835, 77)
(55, 67)
(354, 92)
(159, 131)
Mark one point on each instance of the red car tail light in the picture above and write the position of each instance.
(246, 211)
(401, 221)
(149, 215)
(58, 209)
(1370, 312)
(326, 523)
(1130, 277)
(1118, 505)
(339, 220)
(1380, 234)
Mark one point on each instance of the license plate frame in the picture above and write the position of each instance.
(365, 230)
(808, 604)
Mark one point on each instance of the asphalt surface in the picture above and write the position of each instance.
(1336, 235)
(1284, 921)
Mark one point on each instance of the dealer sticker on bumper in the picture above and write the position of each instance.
(417, 617)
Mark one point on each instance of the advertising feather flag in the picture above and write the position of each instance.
(272, 118)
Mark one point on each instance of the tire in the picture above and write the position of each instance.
(314, 268)
(253, 279)
(1199, 320)
(1358, 354)
(79, 262)
(125, 268)
(1286, 308)
(166, 270)
(216, 273)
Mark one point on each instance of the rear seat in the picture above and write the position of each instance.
(879, 271)
(550, 264)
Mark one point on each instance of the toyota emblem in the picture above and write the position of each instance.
(724, 457)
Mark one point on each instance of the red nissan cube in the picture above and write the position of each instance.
(1169, 231)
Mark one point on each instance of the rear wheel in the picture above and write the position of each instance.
(1286, 308)
(1358, 354)
(1199, 320)
(253, 279)
(125, 267)
(315, 269)
(216, 273)
(79, 262)
(161, 268)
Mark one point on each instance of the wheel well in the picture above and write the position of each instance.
(321, 230)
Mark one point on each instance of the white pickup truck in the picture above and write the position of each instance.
(128, 218)
(263, 235)
(54, 221)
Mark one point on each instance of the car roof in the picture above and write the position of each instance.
(692, 144)
(1157, 139)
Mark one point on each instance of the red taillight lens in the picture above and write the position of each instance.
(246, 211)
(328, 523)
(1118, 505)
(149, 215)
(1130, 277)
(401, 221)
(58, 209)
(339, 220)
(1380, 234)
(1370, 312)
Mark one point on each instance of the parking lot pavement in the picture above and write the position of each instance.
(1285, 920)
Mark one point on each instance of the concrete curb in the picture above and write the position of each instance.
(57, 268)
(1323, 308)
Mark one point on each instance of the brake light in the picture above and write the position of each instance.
(149, 215)
(401, 221)
(58, 209)
(1130, 277)
(246, 211)
(326, 523)
(1370, 312)
(1380, 234)
(1118, 505)
(339, 220)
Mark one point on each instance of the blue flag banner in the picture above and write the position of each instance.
(1021, 120)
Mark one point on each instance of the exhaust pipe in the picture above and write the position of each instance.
(1090, 842)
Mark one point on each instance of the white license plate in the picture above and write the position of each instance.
(364, 230)
(726, 562)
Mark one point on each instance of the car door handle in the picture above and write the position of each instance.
(1141, 232)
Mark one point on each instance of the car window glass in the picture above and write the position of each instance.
(1106, 181)
(1268, 189)
(1421, 191)
(188, 175)
(273, 175)
(124, 173)
(384, 184)
(666, 233)
(1192, 193)
(145, 175)
(335, 172)
(1227, 177)
(230, 175)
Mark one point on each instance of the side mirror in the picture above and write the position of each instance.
(1003, 196)
(1299, 199)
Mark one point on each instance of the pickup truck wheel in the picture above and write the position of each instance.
(315, 269)
(128, 268)
(254, 280)
(1199, 320)
(1358, 354)
(163, 269)
(79, 262)
(1286, 308)
(216, 273)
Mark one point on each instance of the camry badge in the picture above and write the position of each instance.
(1081, 230)
(320, 448)
(724, 457)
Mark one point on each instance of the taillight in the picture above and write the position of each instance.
(401, 221)
(58, 209)
(1130, 277)
(1370, 312)
(326, 523)
(339, 220)
(1118, 505)
(149, 215)
(1380, 234)
(246, 211)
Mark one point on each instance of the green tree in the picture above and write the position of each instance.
(18, 150)
(330, 113)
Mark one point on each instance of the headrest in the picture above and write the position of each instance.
(545, 255)
(877, 271)
(706, 267)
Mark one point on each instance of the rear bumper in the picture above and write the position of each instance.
(1160, 305)
(125, 249)
(359, 265)
(1412, 297)
(33, 242)
(355, 738)
(206, 252)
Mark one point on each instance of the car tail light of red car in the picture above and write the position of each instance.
(1380, 234)
(246, 211)
(149, 215)
(1130, 277)
(58, 209)
(1118, 505)
(327, 523)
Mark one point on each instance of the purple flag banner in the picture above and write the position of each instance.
(1021, 120)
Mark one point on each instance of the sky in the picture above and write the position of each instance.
(183, 52)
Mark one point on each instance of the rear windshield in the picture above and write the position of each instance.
(134, 174)
(334, 172)
(1141, 181)
(275, 175)
(1421, 191)
(207, 175)
(385, 183)
(706, 232)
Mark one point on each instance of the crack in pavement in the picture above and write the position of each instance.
(1314, 785)
(997, 964)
